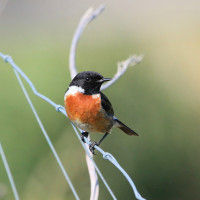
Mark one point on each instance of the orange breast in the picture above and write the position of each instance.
(86, 110)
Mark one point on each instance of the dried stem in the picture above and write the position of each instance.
(89, 15)
(122, 67)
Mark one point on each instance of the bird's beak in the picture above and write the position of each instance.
(104, 80)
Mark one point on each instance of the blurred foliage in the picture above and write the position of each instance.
(159, 99)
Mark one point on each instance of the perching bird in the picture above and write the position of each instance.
(89, 109)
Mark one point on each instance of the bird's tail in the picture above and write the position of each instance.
(124, 128)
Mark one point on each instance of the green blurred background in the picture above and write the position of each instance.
(158, 98)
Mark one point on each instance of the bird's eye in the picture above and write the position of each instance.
(88, 79)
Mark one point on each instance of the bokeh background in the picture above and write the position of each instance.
(159, 98)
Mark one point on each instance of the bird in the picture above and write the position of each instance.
(89, 109)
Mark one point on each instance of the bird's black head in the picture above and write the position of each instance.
(90, 81)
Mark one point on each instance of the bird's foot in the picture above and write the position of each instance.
(92, 145)
(84, 134)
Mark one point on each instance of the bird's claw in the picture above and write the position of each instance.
(91, 147)
(84, 134)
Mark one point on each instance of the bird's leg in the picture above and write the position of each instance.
(92, 145)
(84, 134)
(102, 138)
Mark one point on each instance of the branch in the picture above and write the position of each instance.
(61, 109)
(58, 108)
(122, 67)
(89, 15)
(10, 177)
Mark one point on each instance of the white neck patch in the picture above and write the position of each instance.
(73, 90)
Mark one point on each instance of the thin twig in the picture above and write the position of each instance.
(58, 108)
(18, 71)
(122, 67)
(10, 177)
(89, 15)
(47, 137)
(61, 109)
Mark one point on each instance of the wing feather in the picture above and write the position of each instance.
(107, 106)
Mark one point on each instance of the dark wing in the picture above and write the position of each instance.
(107, 106)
